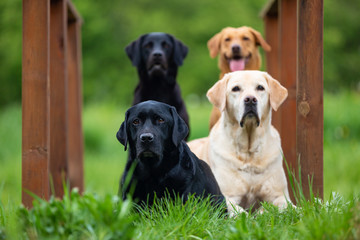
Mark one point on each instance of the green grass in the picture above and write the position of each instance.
(105, 159)
(10, 155)
(78, 217)
(93, 217)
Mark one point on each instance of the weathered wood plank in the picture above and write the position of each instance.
(35, 100)
(287, 72)
(76, 148)
(310, 93)
(58, 96)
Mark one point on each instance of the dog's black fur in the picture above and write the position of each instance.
(157, 57)
(163, 161)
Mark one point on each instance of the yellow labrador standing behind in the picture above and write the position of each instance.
(243, 148)
(238, 49)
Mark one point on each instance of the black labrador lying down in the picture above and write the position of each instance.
(157, 57)
(163, 161)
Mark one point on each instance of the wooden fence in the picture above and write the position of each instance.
(294, 29)
(52, 138)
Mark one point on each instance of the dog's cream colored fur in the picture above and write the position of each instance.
(246, 161)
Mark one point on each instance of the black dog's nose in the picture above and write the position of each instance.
(250, 100)
(157, 54)
(147, 137)
(235, 48)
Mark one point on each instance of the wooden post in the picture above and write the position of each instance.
(309, 93)
(287, 77)
(35, 100)
(58, 97)
(76, 148)
(52, 141)
(297, 61)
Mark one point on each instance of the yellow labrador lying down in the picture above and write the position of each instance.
(243, 148)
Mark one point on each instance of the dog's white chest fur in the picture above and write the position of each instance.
(247, 173)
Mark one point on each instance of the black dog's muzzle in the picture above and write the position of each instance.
(147, 150)
(157, 64)
(250, 111)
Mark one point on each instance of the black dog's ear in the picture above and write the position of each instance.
(188, 159)
(180, 51)
(180, 130)
(133, 50)
(121, 135)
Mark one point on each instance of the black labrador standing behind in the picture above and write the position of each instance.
(157, 57)
(163, 161)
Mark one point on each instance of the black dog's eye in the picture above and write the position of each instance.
(136, 121)
(227, 39)
(165, 45)
(235, 89)
(160, 120)
(246, 38)
(148, 45)
(260, 88)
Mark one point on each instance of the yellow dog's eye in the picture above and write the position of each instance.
(227, 39)
(260, 88)
(246, 38)
(235, 89)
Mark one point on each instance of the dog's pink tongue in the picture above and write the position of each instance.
(236, 65)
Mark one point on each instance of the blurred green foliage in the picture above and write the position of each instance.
(110, 25)
(78, 216)
(341, 44)
(10, 51)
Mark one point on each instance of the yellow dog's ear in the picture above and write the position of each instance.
(214, 44)
(217, 93)
(277, 92)
(260, 40)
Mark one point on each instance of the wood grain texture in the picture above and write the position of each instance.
(75, 133)
(35, 100)
(58, 96)
(287, 72)
(310, 93)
